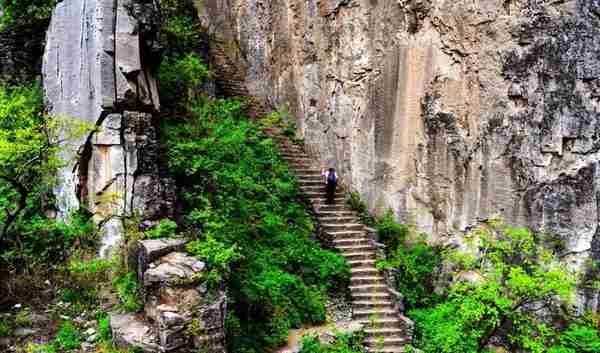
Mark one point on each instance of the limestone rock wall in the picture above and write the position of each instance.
(98, 67)
(447, 112)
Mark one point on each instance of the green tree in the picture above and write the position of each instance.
(29, 146)
(496, 288)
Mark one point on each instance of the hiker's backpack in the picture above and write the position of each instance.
(331, 178)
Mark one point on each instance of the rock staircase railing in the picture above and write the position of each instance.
(181, 314)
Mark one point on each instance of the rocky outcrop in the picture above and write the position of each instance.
(448, 113)
(98, 68)
(181, 313)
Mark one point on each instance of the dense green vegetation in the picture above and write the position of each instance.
(31, 240)
(242, 205)
(506, 290)
(239, 203)
(26, 12)
(343, 343)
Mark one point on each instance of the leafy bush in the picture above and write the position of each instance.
(415, 265)
(28, 162)
(166, 228)
(504, 273)
(357, 204)
(218, 257)
(127, 288)
(180, 78)
(5, 327)
(390, 232)
(68, 337)
(104, 328)
(578, 338)
(343, 343)
(239, 197)
(25, 11)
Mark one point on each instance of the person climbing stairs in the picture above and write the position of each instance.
(387, 330)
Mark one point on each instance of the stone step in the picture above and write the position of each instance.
(369, 289)
(338, 207)
(319, 181)
(334, 213)
(371, 304)
(364, 271)
(334, 219)
(374, 314)
(347, 234)
(381, 323)
(372, 296)
(386, 341)
(366, 280)
(310, 178)
(307, 171)
(323, 200)
(385, 332)
(356, 248)
(342, 226)
(396, 349)
(357, 263)
(352, 241)
(359, 255)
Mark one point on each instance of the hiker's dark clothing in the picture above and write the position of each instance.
(330, 187)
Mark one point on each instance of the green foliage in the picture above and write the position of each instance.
(28, 162)
(218, 256)
(390, 232)
(578, 338)
(5, 327)
(22, 318)
(68, 337)
(104, 328)
(25, 11)
(166, 228)
(357, 204)
(414, 265)
(180, 78)
(511, 273)
(240, 198)
(343, 343)
(127, 288)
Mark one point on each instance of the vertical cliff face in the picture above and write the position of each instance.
(447, 112)
(98, 68)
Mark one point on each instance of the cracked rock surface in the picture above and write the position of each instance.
(447, 112)
(97, 68)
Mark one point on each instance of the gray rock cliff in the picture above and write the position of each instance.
(98, 67)
(447, 112)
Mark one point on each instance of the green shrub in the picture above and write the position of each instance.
(390, 232)
(25, 12)
(166, 228)
(343, 343)
(511, 272)
(357, 204)
(41, 348)
(127, 288)
(5, 327)
(240, 197)
(218, 257)
(579, 339)
(68, 337)
(104, 328)
(415, 266)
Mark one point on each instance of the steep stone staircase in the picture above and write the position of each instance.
(374, 305)
(372, 300)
